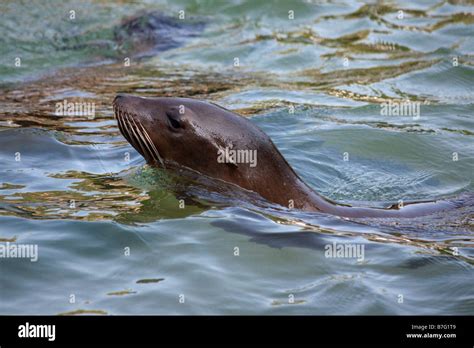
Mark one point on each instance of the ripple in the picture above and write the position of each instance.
(75, 196)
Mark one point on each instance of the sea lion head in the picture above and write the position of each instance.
(198, 135)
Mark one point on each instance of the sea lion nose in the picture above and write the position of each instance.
(119, 96)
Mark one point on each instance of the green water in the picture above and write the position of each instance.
(110, 229)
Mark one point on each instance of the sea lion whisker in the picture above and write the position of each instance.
(122, 125)
(141, 139)
(126, 128)
(119, 123)
(137, 137)
(155, 150)
(135, 140)
(147, 141)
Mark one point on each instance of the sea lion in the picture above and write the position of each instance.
(144, 34)
(204, 137)
(148, 33)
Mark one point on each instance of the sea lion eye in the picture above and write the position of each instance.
(173, 120)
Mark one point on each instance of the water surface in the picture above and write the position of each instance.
(112, 231)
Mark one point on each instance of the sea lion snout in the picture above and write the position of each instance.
(129, 103)
(118, 97)
(133, 120)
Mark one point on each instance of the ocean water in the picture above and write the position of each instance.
(321, 78)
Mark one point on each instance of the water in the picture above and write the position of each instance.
(110, 233)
